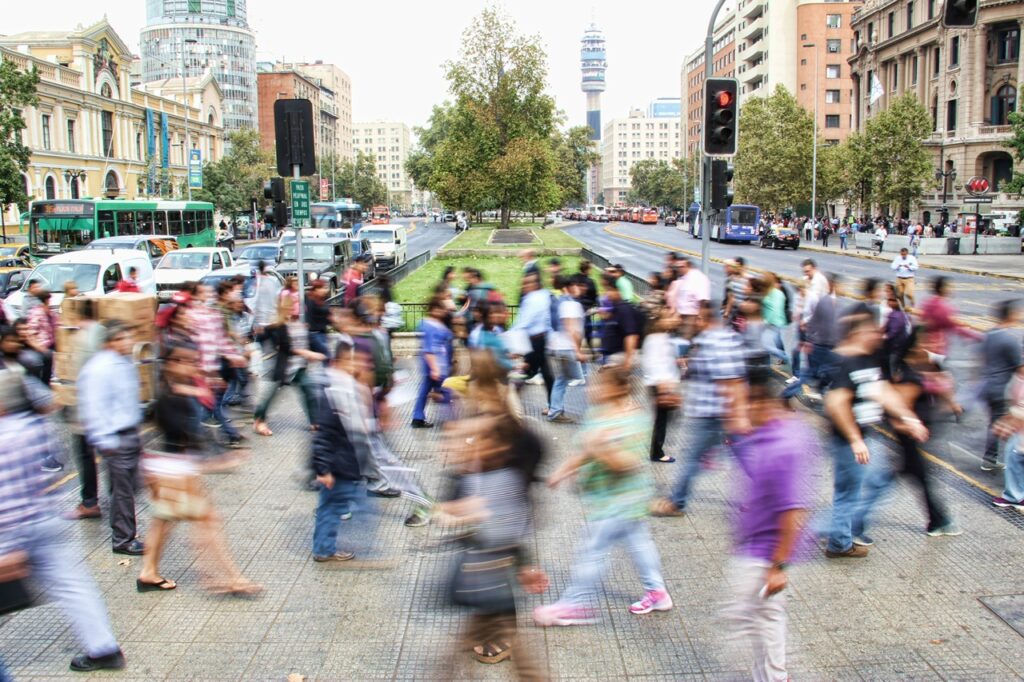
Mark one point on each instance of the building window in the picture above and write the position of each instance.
(1007, 45)
(895, 76)
(231, 8)
(936, 61)
(914, 66)
(51, 188)
(951, 115)
(910, 16)
(195, 6)
(891, 23)
(1004, 104)
(871, 33)
(107, 125)
(832, 121)
(954, 51)
(833, 20)
(45, 127)
(834, 45)
(74, 188)
(71, 135)
(931, 9)
(832, 71)
(831, 97)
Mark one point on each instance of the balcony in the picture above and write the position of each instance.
(755, 11)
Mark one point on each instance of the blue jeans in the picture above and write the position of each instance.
(56, 569)
(345, 496)
(856, 487)
(221, 417)
(428, 385)
(771, 339)
(1013, 484)
(706, 433)
(817, 370)
(567, 368)
(593, 558)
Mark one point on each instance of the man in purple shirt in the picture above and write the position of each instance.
(776, 459)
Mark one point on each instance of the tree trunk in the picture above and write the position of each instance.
(506, 214)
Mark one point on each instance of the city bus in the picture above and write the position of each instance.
(334, 214)
(737, 223)
(62, 225)
(380, 215)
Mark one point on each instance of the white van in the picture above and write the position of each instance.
(95, 271)
(389, 244)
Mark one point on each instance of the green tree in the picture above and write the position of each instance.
(497, 151)
(689, 168)
(575, 153)
(231, 182)
(655, 182)
(773, 160)
(1016, 143)
(900, 165)
(17, 90)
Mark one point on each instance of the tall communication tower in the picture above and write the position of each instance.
(592, 66)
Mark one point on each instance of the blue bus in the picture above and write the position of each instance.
(325, 215)
(737, 223)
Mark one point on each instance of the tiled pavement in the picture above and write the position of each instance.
(910, 611)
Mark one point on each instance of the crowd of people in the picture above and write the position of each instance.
(601, 343)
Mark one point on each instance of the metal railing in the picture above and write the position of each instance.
(413, 314)
(640, 284)
(395, 275)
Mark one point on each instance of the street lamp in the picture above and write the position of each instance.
(73, 174)
(184, 98)
(945, 176)
(814, 157)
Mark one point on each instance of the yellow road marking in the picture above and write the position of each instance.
(53, 486)
(945, 465)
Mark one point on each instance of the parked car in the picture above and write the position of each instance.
(780, 238)
(449, 218)
(156, 247)
(324, 259)
(361, 246)
(268, 253)
(12, 278)
(670, 219)
(14, 255)
(96, 272)
(188, 265)
(288, 234)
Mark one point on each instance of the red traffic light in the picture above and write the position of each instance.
(724, 98)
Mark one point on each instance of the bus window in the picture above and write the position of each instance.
(189, 224)
(106, 224)
(202, 221)
(174, 226)
(143, 222)
(159, 222)
(126, 223)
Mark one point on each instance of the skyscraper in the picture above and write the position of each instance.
(214, 36)
(592, 66)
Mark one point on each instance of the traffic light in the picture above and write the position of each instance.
(960, 14)
(721, 184)
(280, 214)
(720, 116)
(273, 189)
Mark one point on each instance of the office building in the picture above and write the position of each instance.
(389, 145)
(282, 83)
(337, 82)
(627, 140)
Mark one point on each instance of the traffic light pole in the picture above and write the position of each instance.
(705, 160)
(299, 257)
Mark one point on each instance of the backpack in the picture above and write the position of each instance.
(555, 302)
(642, 320)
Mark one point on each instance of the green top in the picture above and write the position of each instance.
(625, 287)
(608, 495)
(773, 308)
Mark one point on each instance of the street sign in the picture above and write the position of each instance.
(977, 200)
(300, 202)
(978, 185)
(195, 169)
(980, 209)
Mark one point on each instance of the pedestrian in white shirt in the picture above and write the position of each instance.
(879, 239)
(816, 280)
(686, 293)
(905, 266)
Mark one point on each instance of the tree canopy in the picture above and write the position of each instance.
(233, 181)
(17, 90)
(355, 179)
(897, 163)
(1016, 143)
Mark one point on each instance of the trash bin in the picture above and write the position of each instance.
(952, 246)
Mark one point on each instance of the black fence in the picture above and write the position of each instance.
(395, 275)
(640, 284)
(413, 314)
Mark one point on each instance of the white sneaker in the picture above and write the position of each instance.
(578, 382)
(792, 380)
(535, 380)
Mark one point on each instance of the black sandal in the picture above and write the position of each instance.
(492, 652)
(164, 585)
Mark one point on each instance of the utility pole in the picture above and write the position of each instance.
(186, 148)
(705, 166)
(814, 157)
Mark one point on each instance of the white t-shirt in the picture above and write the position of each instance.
(570, 312)
(819, 284)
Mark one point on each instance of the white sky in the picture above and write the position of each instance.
(393, 49)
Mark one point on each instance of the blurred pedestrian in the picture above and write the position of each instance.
(1001, 353)
(564, 345)
(620, 323)
(89, 340)
(435, 360)
(534, 319)
(616, 488)
(1010, 426)
(938, 314)
(660, 361)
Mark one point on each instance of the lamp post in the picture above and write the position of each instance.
(184, 98)
(814, 154)
(945, 176)
(73, 174)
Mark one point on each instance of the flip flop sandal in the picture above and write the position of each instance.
(492, 652)
(664, 508)
(164, 585)
(241, 588)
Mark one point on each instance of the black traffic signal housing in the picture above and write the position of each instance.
(960, 14)
(721, 184)
(280, 214)
(721, 119)
(273, 189)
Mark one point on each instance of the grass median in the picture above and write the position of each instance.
(503, 272)
(478, 237)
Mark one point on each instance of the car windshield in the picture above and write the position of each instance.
(102, 244)
(258, 253)
(786, 231)
(185, 260)
(378, 236)
(54, 275)
(9, 251)
(310, 252)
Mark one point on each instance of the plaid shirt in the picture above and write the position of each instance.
(27, 440)
(210, 335)
(718, 355)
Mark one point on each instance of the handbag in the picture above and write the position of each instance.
(175, 486)
(15, 594)
(483, 579)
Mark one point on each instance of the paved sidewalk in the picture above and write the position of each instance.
(1006, 266)
(909, 611)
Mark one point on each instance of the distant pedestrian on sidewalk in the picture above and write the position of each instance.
(1001, 353)
(880, 236)
(435, 360)
(905, 266)
(844, 233)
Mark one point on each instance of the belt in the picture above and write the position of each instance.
(127, 432)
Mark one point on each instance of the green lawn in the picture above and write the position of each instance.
(476, 238)
(501, 271)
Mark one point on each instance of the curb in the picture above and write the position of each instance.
(943, 268)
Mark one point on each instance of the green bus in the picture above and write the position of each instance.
(59, 225)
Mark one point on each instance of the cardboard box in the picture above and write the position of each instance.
(72, 310)
(147, 385)
(144, 333)
(65, 394)
(67, 337)
(133, 309)
(63, 366)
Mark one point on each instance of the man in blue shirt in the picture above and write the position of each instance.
(108, 398)
(435, 360)
(535, 319)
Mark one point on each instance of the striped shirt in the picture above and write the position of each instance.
(210, 335)
(718, 355)
(27, 441)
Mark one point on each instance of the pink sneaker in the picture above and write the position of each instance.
(562, 614)
(655, 600)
